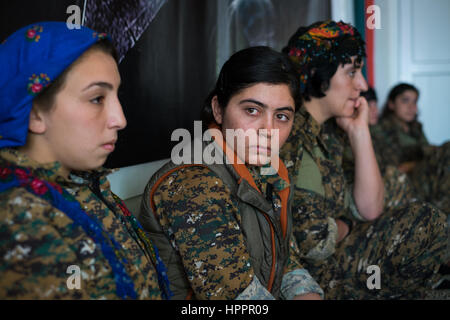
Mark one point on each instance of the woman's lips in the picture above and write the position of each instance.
(109, 146)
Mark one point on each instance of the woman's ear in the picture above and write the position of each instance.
(217, 110)
(37, 123)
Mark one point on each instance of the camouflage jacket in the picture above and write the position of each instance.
(313, 155)
(216, 233)
(398, 189)
(39, 244)
(395, 146)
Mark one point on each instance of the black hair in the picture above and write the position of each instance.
(320, 69)
(249, 67)
(394, 93)
(370, 94)
(46, 98)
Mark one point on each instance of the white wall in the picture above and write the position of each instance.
(343, 10)
(414, 46)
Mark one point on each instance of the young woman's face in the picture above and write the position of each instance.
(344, 90)
(405, 106)
(264, 110)
(373, 112)
(82, 126)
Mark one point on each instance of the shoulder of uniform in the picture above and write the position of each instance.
(191, 180)
(17, 199)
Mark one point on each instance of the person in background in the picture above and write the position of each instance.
(343, 228)
(401, 142)
(64, 234)
(223, 225)
(372, 101)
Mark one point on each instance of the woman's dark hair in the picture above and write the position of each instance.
(320, 67)
(46, 98)
(249, 67)
(394, 93)
(370, 95)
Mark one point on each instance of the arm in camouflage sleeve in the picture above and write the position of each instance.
(314, 228)
(297, 282)
(198, 214)
(34, 255)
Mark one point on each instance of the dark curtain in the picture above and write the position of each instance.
(166, 78)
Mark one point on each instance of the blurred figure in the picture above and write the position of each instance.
(372, 100)
(400, 141)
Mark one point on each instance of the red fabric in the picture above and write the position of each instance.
(370, 47)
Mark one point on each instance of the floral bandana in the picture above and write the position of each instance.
(31, 58)
(323, 42)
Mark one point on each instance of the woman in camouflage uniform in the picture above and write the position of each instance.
(402, 143)
(342, 229)
(64, 235)
(223, 225)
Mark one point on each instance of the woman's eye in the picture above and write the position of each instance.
(282, 117)
(98, 100)
(252, 111)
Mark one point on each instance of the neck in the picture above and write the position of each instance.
(317, 110)
(39, 152)
(403, 124)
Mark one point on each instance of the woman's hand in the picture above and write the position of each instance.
(360, 118)
(368, 189)
(343, 229)
(308, 296)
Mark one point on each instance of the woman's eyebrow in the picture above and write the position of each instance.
(287, 108)
(102, 84)
(253, 101)
(262, 105)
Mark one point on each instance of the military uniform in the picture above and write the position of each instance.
(398, 188)
(39, 243)
(222, 234)
(430, 177)
(407, 244)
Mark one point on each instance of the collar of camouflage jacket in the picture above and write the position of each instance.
(392, 122)
(52, 171)
(307, 130)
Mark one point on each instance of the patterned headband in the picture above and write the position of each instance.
(323, 42)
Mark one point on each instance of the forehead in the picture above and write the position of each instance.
(94, 66)
(272, 95)
(408, 94)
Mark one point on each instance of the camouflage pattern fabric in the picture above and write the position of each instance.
(398, 188)
(430, 177)
(38, 243)
(201, 217)
(407, 243)
(393, 145)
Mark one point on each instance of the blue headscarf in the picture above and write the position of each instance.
(30, 59)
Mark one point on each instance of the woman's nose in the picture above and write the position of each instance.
(361, 83)
(116, 117)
